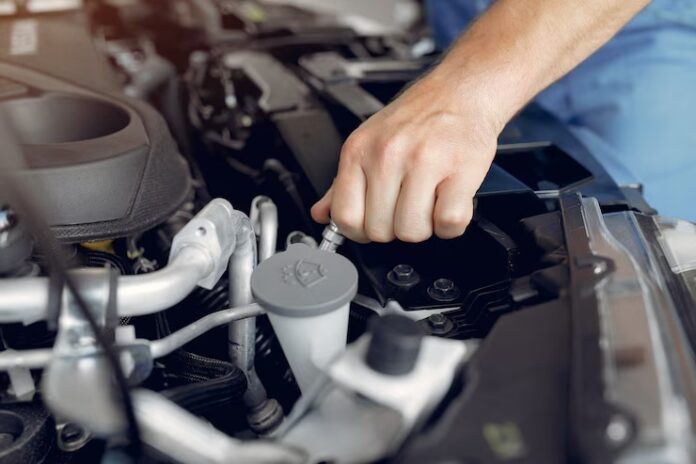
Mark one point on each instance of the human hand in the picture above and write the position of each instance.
(412, 169)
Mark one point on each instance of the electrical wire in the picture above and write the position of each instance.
(13, 191)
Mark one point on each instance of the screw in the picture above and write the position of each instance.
(443, 290)
(437, 321)
(403, 275)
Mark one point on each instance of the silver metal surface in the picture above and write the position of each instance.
(148, 293)
(77, 383)
(40, 358)
(200, 253)
(29, 359)
(215, 229)
(242, 333)
(331, 238)
(264, 219)
(183, 437)
(168, 344)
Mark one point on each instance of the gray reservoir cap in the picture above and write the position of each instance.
(304, 282)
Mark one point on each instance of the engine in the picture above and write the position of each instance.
(165, 295)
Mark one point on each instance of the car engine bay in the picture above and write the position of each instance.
(160, 159)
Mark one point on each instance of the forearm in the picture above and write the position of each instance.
(519, 47)
(413, 168)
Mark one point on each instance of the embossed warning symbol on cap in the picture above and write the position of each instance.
(305, 273)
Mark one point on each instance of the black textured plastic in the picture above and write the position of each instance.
(164, 186)
(395, 344)
(104, 164)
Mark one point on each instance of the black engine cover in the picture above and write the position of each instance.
(106, 165)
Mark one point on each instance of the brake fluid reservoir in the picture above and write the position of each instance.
(307, 293)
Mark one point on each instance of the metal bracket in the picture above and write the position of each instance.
(77, 383)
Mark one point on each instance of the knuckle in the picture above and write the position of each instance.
(453, 221)
(354, 146)
(413, 235)
(347, 221)
(379, 234)
(420, 158)
(390, 150)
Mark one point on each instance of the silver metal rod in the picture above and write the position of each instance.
(26, 299)
(168, 344)
(264, 217)
(40, 358)
(242, 333)
(331, 238)
(28, 359)
(149, 293)
(199, 256)
(185, 438)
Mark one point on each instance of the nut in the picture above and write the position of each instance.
(443, 290)
(403, 275)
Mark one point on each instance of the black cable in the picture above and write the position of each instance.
(13, 191)
(208, 383)
(287, 179)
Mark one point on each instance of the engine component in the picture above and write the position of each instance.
(340, 420)
(307, 291)
(573, 301)
(110, 168)
(183, 437)
(264, 413)
(199, 256)
(395, 345)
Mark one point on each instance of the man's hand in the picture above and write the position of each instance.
(412, 169)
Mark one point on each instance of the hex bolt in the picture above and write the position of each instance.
(403, 272)
(443, 290)
(403, 275)
(437, 321)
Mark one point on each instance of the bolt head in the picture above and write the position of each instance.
(443, 290)
(403, 272)
(437, 321)
(403, 275)
(444, 285)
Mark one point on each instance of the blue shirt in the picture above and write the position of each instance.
(450, 17)
(632, 104)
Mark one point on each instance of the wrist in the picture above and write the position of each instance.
(471, 95)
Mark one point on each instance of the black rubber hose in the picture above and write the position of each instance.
(212, 383)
